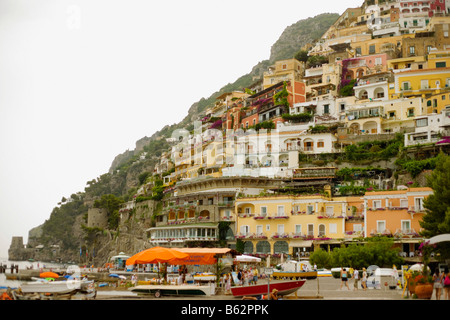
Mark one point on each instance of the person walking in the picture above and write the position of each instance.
(344, 278)
(356, 279)
(364, 279)
(438, 283)
(446, 278)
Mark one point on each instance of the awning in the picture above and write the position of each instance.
(300, 243)
(201, 255)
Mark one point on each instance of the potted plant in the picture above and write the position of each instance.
(424, 282)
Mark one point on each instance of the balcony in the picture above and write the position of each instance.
(405, 233)
(380, 233)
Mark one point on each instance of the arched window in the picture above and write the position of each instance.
(281, 247)
(263, 247)
(248, 247)
(321, 230)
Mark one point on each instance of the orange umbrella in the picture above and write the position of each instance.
(157, 254)
(49, 275)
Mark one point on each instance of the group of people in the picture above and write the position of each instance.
(441, 283)
(248, 276)
(354, 274)
(245, 277)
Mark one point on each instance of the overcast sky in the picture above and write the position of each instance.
(82, 81)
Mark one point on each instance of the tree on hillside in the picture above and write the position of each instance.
(437, 219)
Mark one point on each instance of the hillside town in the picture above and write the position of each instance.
(271, 166)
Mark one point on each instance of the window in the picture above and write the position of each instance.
(321, 230)
(326, 109)
(418, 204)
(310, 230)
(378, 61)
(404, 203)
(441, 64)
(423, 84)
(309, 209)
(280, 228)
(381, 226)
(412, 50)
(284, 67)
(320, 144)
(259, 229)
(298, 229)
(406, 85)
(406, 226)
(372, 49)
(332, 228)
(263, 211)
(330, 211)
(422, 122)
(376, 204)
(245, 230)
(247, 210)
(280, 211)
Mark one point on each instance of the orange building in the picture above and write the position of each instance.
(396, 214)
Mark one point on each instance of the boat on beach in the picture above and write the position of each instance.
(39, 289)
(283, 287)
(174, 290)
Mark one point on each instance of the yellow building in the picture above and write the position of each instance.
(438, 59)
(289, 224)
(284, 70)
(420, 83)
(412, 63)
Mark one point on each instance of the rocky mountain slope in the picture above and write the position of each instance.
(64, 236)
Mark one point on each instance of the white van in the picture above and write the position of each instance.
(381, 278)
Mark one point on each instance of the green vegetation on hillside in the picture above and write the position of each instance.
(58, 228)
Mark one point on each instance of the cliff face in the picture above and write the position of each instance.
(122, 179)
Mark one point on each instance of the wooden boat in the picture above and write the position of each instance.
(174, 290)
(283, 287)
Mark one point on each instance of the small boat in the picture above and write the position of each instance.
(57, 287)
(174, 290)
(283, 287)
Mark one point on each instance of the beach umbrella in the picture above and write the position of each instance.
(417, 267)
(246, 258)
(157, 254)
(113, 275)
(49, 275)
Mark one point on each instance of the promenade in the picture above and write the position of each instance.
(319, 289)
